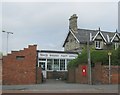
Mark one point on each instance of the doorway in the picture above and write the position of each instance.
(42, 64)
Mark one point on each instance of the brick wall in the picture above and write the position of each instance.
(75, 75)
(39, 77)
(100, 74)
(115, 75)
(71, 75)
(19, 67)
(97, 74)
(79, 77)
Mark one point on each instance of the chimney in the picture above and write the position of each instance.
(73, 23)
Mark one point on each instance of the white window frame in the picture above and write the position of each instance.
(61, 65)
(98, 45)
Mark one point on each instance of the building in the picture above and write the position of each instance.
(54, 63)
(77, 39)
(27, 66)
(19, 67)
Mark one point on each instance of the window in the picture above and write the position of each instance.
(49, 64)
(62, 64)
(42, 65)
(98, 44)
(20, 57)
(116, 45)
(56, 64)
(42, 59)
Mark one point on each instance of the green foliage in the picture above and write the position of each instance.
(96, 56)
(81, 59)
(118, 53)
(99, 56)
(115, 57)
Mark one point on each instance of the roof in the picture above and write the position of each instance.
(82, 35)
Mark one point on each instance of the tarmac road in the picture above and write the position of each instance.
(56, 86)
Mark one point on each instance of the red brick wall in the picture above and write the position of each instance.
(20, 71)
(79, 77)
(39, 75)
(71, 75)
(114, 74)
(75, 75)
(99, 74)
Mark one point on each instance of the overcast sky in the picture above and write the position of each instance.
(46, 24)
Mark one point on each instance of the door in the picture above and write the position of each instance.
(43, 66)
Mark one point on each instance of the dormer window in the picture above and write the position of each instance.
(116, 45)
(98, 44)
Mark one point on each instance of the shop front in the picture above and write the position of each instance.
(54, 63)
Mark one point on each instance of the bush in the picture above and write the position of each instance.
(81, 59)
(115, 57)
(99, 56)
(96, 56)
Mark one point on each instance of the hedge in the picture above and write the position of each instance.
(96, 56)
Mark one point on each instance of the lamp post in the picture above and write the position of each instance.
(89, 60)
(109, 55)
(7, 38)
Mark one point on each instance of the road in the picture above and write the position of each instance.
(55, 86)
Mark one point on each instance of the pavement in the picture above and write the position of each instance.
(57, 86)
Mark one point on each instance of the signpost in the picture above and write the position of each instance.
(109, 54)
(89, 60)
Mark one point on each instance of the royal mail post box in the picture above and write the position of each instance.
(84, 70)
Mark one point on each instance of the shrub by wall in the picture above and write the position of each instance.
(96, 56)
(81, 59)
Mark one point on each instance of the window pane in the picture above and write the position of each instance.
(97, 44)
(56, 64)
(42, 65)
(42, 59)
(49, 64)
(62, 64)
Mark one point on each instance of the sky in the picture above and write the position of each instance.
(47, 23)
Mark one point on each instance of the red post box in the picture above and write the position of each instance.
(84, 69)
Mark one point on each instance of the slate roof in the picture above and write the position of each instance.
(84, 34)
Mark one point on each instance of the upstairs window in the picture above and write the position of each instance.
(98, 44)
(116, 45)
